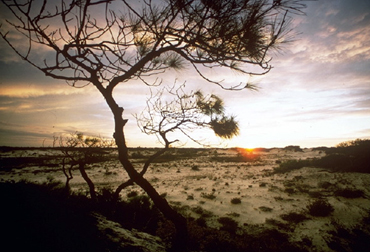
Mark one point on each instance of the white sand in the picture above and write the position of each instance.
(264, 196)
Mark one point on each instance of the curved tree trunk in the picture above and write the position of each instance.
(143, 171)
(81, 168)
(180, 242)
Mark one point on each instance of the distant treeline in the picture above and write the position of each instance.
(352, 156)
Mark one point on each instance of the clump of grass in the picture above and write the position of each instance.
(132, 194)
(195, 168)
(233, 214)
(209, 196)
(280, 224)
(356, 238)
(201, 211)
(349, 193)
(320, 208)
(201, 221)
(289, 190)
(315, 194)
(190, 197)
(228, 224)
(265, 209)
(137, 155)
(236, 201)
(324, 184)
(294, 217)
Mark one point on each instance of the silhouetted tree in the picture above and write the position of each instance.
(184, 113)
(79, 150)
(105, 43)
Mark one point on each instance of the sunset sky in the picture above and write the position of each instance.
(317, 94)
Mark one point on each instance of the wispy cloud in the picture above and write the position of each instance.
(316, 94)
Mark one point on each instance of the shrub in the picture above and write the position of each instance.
(320, 208)
(137, 155)
(294, 148)
(201, 221)
(265, 209)
(349, 193)
(132, 194)
(335, 162)
(289, 165)
(324, 184)
(294, 217)
(352, 156)
(201, 211)
(195, 168)
(210, 196)
(236, 201)
(228, 224)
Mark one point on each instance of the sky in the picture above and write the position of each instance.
(317, 94)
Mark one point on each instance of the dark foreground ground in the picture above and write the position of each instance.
(44, 216)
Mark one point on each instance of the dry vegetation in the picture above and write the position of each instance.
(288, 199)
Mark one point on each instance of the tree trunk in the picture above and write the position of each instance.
(161, 203)
(81, 168)
(180, 241)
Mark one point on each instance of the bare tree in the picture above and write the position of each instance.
(106, 43)
(79, 150)
(183, 113)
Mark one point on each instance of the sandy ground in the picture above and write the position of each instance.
(202, 186)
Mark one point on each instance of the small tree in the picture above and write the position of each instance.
(106, 43)
(79, 150)
(184, 113)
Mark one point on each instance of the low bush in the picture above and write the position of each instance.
(132, 194)
(320, 208)
(228, 224)
(294, 148)
(290, 165)
(265, 209)
(294, 217)
(347, 157)
(349, 193)
(235, 201)
(209, 196)
(195, 168)
(47, 218)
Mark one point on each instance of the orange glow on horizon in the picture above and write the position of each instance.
(249, 150)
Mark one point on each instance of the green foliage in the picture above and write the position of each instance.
(225, 127)
(213, 107)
